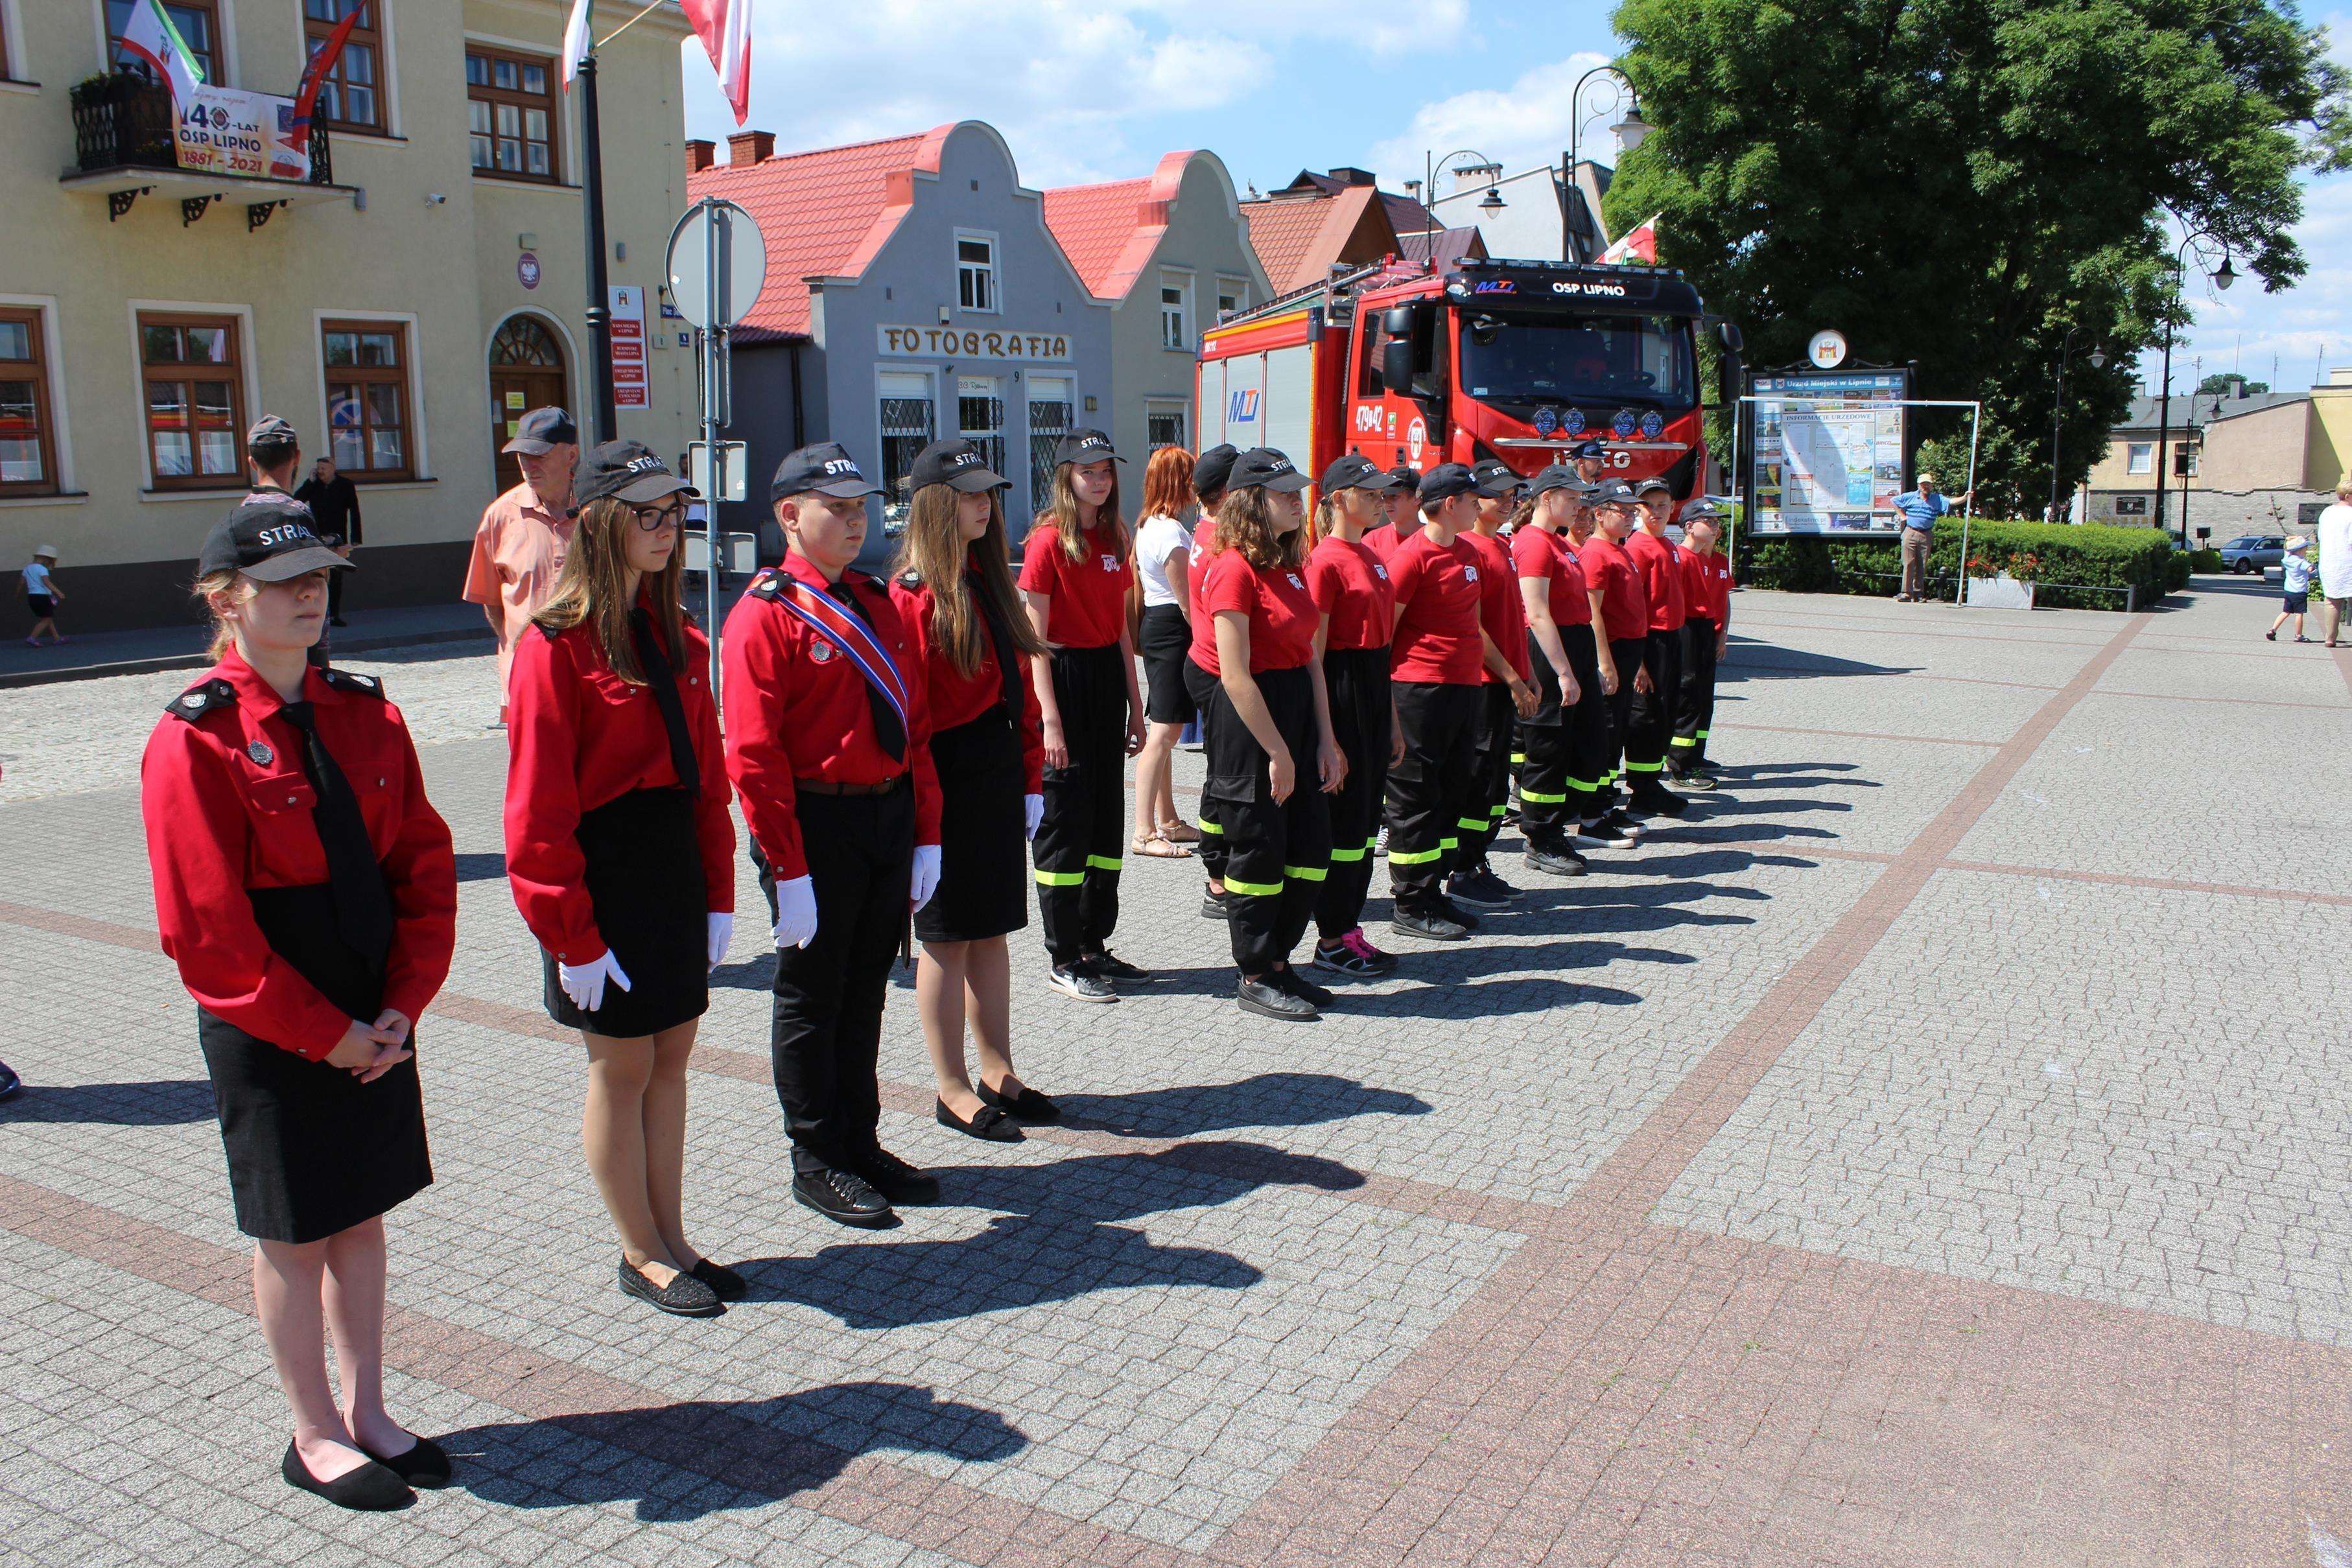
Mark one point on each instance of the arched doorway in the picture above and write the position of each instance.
(526, 372)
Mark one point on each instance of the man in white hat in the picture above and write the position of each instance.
(42, 595)
(2336, 558)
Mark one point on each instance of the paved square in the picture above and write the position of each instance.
(1934, 1148)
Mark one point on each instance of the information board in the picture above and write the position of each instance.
(628, 326)
(1828, 451)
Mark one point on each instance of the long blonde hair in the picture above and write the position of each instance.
(592, 588)
(933, 551)
(1245, 523)
(1063, 514)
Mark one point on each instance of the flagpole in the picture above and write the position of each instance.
(591, 175)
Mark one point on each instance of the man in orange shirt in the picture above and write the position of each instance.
(519, 547)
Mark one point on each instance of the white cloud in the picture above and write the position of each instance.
(2301, 330)
(1523, 125)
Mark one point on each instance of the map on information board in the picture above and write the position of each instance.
(1829, 452)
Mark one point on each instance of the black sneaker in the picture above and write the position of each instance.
(685, 1296)
(1490, 884)
(1556, 860)
(1300, 986)
(1353, 956)
(1601, 834)
(1111, 966)
(1078, 980)
(842, 1196)
(894, 1179)
(1214, 906)
(1625, 824)
(1430, 925)
(1659, 802)
(1694, 778)
(1270, 1000)
(1459, 915)
(1466, 887)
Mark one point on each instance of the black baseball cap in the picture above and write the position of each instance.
(269, 541)
(542, 430)
(1215, 468)
(1562, 477)
(1354, 472)
(626, 470)
(826, 468)
(1084, 446)
(1702, 511)
(1263, 466)
(954, 462)
(1494, 477)
(1653, 482)
(1446, 481)
(270, 430)
(1589, 449)
(1407, 477)
(1614, 492)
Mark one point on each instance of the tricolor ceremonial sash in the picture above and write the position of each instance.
(837, 625)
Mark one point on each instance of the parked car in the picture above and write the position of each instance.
(2248, 554)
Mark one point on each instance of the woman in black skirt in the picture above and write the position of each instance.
(305, 887)
(954, 588)
(620, 850)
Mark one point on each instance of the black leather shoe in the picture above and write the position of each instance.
(725, 1283)
(1298, 985)
(685, 1296)
(1111, 966)
(1555, 860)
(1270, 1000)
(842, 1196)
(989, 1124)
(895, 1178)
(1459, 915)
(1028, 1106)
(371, 1489)
(1431, 926)
(423, 1466)
(1659, 802)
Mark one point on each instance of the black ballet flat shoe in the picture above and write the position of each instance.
(1027, 1106)
(991, 1124)
(371, 1489)
(425, 1465)
(725, 1283)
(685, 1296)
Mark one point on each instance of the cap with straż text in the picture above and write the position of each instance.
(626, 470)
(267, 542)
(1614, 492)
(956, 463)
(1356, 472)
(1263, 466)
(1084, 446)
(1446, 481)
(1653, 485)
(1495, 477)
(1561, 476)
(826, 469)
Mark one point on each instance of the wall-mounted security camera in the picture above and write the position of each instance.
(436, 199)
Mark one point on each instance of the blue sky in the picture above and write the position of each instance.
(1097, 89)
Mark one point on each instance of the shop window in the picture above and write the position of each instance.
(976, 271)
(1175, 311)
(2139, 457)
(511, 113)
(910, 424)
(196, 21)
(367, 398)
(27, 442)
(349, 96)
(1163, 424)
(1052, 408)
(193, 382)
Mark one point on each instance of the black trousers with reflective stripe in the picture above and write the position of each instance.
(1490, 772)
(1277, 853)
(1627, 654)
(1694, 707)
(1211, 851)
(1429, 790)
(1356, 681)
(1083, 834)
(1650, 721)
(1567, 748)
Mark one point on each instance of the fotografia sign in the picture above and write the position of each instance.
(247, 135)
(1829, 452)
(968, 343)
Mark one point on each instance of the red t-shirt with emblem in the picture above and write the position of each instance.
(1281, 610)
(1624, 607)
(1500, 609)
(1707, 585)
(1351, 584)
(1437, 637)
(1541, 554)
(1088, 592)
(1659, 560)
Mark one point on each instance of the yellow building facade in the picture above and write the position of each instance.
(418, 286)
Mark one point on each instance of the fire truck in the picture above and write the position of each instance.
(1522, 360)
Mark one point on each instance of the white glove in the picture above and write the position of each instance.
(795, 912)
(719, 932)
(1033, 811)
(926, 880)
(584, 983)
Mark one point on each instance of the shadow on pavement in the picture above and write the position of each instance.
(748, 1453)
(1768, 661)
(1267, 1100)
(481, 868)
(162, 1102)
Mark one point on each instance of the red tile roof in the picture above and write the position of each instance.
(1110, 231)
(822, 213)
(1298, 239)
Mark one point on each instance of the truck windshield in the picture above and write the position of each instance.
(1540, 357)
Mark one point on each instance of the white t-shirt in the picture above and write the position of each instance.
(37, 577)
(2336, 552)
(1161, 536)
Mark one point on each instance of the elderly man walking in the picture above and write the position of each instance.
(2335, 558)
(1920, 509)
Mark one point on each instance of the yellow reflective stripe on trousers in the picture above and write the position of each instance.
(1442, 843)
(1207, 826)
(1405, 857)
(1644, 767)
(1252, 889)
(1538, 798)
(1060, 878)
(1303, 872)
(1103, 862)
(1471, 824)
(1352, 854)
(1584, 785)
(1517, 757)
(1680, 741)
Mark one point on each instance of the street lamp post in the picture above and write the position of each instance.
(1491, 203)
(2223, 277)
(2058, 408)
(1630, 132)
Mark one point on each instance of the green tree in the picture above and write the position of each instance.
(2217, 385)
(1962, 184)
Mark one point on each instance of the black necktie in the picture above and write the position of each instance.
(887, 730)
(363, 906)
(999, 638)
(663, 680)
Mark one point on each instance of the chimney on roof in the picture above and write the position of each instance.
(746, 148)
(2237, 388)
(1351, 176)
(701, 155)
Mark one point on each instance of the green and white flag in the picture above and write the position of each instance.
(149, 37)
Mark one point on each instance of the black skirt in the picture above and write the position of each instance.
(644, 880)
(983, 857)
(1167, 636)
(311, 1150)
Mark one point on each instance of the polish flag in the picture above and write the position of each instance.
(1640, 245)
(576, 41)
(725, 28)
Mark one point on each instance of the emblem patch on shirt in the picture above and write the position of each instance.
(1380, 571)
(192, 700)
(1294, 582)
(260, 753)
(1470, 574)
(1111, 563)
(820, 651)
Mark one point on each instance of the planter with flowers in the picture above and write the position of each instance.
(2006, 586)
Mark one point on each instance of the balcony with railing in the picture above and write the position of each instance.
(127, 145)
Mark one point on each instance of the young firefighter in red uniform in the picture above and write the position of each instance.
(1505, 697)
(1350, 585)
(1436, 656)
(1401, 506)
(1268, 728)
(1567, 734)
(621, 851)
(955, 594)
(1074, 580)
(1706, 592)
(1621, 611)
(1211, 473)
(828, 738)
(305, 887)
(1652, 722)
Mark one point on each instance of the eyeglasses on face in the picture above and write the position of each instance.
(655, 518)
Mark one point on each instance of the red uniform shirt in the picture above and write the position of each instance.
(957, 698)
(228, 807)
(1437, 637)
(1501, 610)
(1351, 584)
(1659, 560)
(1624, 607)
(1283, 619)
(579, 737)
(796, 709)
(1542, 555)
(1088, 594)
(1707, 585)
(1381, 542)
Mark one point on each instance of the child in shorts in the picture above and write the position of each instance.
(2295, 571)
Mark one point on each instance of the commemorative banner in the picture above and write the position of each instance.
(245, 135)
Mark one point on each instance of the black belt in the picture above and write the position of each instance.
(826, 786)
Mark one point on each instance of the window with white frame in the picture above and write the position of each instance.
(976, 271)
(2139, 457)
(1232, 293)
(1175, 311)
(910, 424)
(1163, 424)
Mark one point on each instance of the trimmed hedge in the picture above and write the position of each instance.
(2085, 558)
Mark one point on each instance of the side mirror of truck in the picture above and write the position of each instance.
(1397, 321)
(1396, 366)
(1728, 334)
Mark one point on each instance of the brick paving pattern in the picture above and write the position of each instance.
(1919, 1153)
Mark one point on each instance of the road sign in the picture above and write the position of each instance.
(736, 461)
(716, 254)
